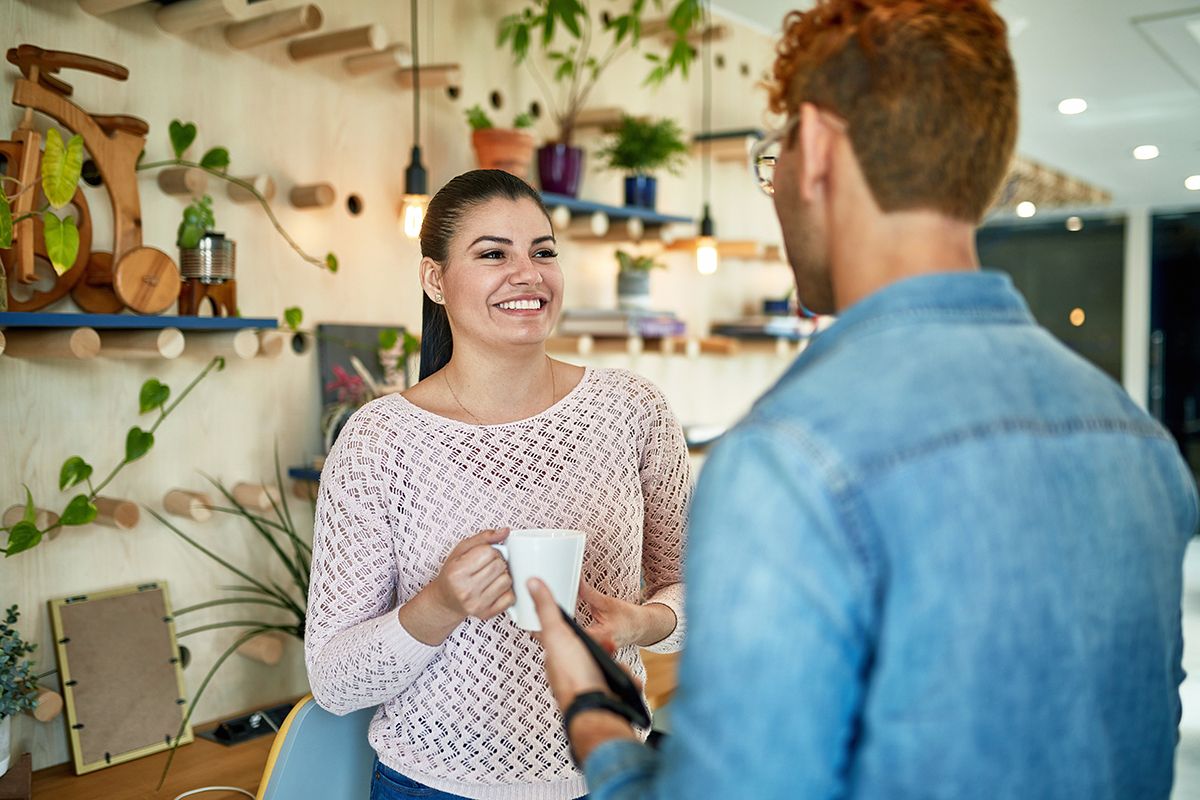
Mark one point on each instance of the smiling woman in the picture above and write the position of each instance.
(407, 593)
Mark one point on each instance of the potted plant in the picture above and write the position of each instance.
(509, 149)
(18, 686)
(577, 55)
(633, 280)
(641, 147)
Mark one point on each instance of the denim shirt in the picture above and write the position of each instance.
(941, 558)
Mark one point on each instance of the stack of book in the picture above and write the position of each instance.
(773, 327)
(607, 323)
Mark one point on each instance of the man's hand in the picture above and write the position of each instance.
(569, 666)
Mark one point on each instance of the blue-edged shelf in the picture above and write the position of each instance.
(36, 319)
(648, 217)
(304, 474)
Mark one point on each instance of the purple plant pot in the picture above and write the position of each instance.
(560, 168)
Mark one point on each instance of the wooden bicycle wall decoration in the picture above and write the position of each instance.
(143, 279)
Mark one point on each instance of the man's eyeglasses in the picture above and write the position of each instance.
(765, 152)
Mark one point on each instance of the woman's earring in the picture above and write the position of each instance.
(439, 298)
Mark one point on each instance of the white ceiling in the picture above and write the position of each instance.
(1097, 50)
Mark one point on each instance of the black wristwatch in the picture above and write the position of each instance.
(591, 701)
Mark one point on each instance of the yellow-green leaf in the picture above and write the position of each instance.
(331, 262)
(80, 511)
(293, 317)
(22, 537)
(62, 241)
(6, 222)
(61, 167)
(30, 511)
(74, 470)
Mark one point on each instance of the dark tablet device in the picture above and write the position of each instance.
(618, 680)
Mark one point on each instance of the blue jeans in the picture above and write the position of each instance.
(387, 784)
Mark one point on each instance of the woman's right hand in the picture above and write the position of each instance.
(474, 580)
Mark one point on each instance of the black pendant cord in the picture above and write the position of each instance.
(416, 48)
(706, 82)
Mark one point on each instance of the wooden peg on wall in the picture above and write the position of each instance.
(390, 57)
(43, 519)
(3, 341)
(560, 217)
(313, 195)
(183, 181)
(270, 344)
(65, 343)
(112, 512)
(594, 225)
(241, 344)
(366, 37)
(434, 76)
(265, 649)
(49, 705)
(166, 343)
(185, 16)
(102, 7)
(257, 496)
(264, 184)
(195, 506)
(268, 28)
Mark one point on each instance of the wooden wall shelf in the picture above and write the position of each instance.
(76, 336)
(689, 346)
(731, 145)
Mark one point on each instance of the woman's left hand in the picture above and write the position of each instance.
(617, 624)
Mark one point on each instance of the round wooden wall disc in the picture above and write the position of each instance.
(94, 294)
(147, 280)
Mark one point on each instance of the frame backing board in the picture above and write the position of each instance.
(121, 673)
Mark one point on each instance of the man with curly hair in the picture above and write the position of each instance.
(942, 557)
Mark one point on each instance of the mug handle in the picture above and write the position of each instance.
(502, 549)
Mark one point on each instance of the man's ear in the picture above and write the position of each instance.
(816, 151)
(431, 278)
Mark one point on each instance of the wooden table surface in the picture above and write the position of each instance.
(201, 763)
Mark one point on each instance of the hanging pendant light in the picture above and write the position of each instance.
(707, 258)
(416, 180)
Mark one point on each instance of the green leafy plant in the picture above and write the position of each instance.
(81, 509)
(62, 163)
(280, 535)
(566, 32)
(644, 146)
(197, 220)
(639, 263)
(18, 686)
(215, 162)
(479, 120)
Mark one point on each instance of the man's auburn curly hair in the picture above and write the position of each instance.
(927, 88)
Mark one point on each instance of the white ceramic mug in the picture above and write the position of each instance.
(555, 555)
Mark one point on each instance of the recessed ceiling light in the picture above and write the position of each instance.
(1077, 317)
(1026, 209)
(1145, 152)
(1193, 183)
(1072, 105)
(1074, 224)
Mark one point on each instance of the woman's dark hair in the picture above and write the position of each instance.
(442, 221)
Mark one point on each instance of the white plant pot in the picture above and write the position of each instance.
(5, 743)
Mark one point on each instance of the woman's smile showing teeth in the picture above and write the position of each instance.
(532, 304)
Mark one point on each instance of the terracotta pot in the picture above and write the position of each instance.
(503, 148)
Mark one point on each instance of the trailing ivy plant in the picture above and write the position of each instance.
(62, 163)
(81, 509)
(215, 162)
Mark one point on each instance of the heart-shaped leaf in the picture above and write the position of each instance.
(62, 241)
(61, 166)
(292, 317)
(182, 136)
(217, 158)
(153, 395)
(22, 537)
(6, 221)
(74, 470)
(331, 262)
(80, 511)
(388, 338)
(30, 511)
(137, 443)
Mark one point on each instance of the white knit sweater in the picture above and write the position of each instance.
(402, 486)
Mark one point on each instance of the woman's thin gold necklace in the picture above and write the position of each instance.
(553, 392)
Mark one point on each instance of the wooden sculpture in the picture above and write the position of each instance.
(141, 278)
